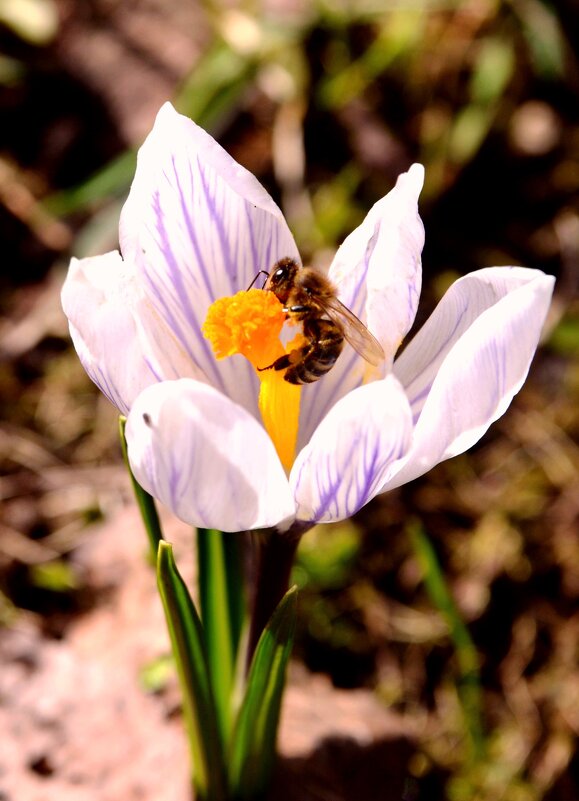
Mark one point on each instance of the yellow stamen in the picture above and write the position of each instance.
(250, 323)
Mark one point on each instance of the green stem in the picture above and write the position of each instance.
(145, 502)
(275, 556)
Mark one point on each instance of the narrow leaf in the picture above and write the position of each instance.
(222, 606)
(253, 746)
(145, 502)
(198, 701)
(216, 84)
(466, 654)
(113, 179)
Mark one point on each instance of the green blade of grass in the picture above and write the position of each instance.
(208, 95)
(112, 180)
(466, 653)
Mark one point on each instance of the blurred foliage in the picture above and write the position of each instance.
(56, 576)
(326, 556)
(412, 83)
(35, 21)
(155, 675)
(327, 102)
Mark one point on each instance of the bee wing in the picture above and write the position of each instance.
(354, 330)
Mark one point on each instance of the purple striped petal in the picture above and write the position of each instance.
(188, 447)
(199, 226)
(378, 267)
(122, 343)
(378, 273)
(463, 368)
(462, 304)
(395, 270)
(352, 452)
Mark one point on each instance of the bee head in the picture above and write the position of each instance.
(282, 277)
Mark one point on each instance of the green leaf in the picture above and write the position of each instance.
(199, 707)
(493, 69)
(469, 130)
(222, 611)
(253, 746)
(545, 38)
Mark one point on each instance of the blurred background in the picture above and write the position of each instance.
(326, 102)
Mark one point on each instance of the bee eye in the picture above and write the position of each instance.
(279, 273)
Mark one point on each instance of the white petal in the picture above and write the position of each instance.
(462, 304)
(206, 458)
(96, 299)
(474, 368)
(351, 453)
(378, 267)
(378, 273)
(199, 226)
(122, 342)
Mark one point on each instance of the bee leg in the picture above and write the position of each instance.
(287, 360)
(295, 309)
(280, 364)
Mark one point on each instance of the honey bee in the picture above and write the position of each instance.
(311, 299)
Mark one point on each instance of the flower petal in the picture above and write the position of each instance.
(199, 226)
(110, 317)
(378, 267)
(464, 367)
(206, 458)
(463, 303)
(378, 273)
(351, 453)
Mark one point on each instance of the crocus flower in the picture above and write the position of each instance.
(171, 337)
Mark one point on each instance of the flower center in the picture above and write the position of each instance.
(250, 323)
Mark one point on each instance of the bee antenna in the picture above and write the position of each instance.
(261, 272)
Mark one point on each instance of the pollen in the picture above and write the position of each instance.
(250, 323)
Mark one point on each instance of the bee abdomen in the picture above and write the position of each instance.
(319, 356)
(309, 371)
